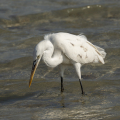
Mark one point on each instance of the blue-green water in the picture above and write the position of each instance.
(22, 25)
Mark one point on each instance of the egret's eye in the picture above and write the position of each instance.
(38, 56)
(34, 63)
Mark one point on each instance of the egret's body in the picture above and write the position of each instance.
(66, 49)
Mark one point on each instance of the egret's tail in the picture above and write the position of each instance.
(100, 51)
(101, 54)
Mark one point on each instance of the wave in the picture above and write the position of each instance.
(70, 15)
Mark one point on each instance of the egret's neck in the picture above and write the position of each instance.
(52, 57)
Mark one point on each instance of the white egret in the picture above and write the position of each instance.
(66, 49)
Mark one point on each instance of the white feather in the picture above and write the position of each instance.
(76, 47)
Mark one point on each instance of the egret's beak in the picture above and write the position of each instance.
(35, 64)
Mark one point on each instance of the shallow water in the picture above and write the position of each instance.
(22, 25)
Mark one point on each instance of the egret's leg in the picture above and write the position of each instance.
(62, 68)
(62, 88)
(81, 86)
(78, 70)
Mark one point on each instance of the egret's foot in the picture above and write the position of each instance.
(62, 90)
(83, 93)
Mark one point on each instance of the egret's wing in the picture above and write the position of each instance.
(77, 48)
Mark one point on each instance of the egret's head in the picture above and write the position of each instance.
(37, 54)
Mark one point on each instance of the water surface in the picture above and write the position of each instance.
(22, 25)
